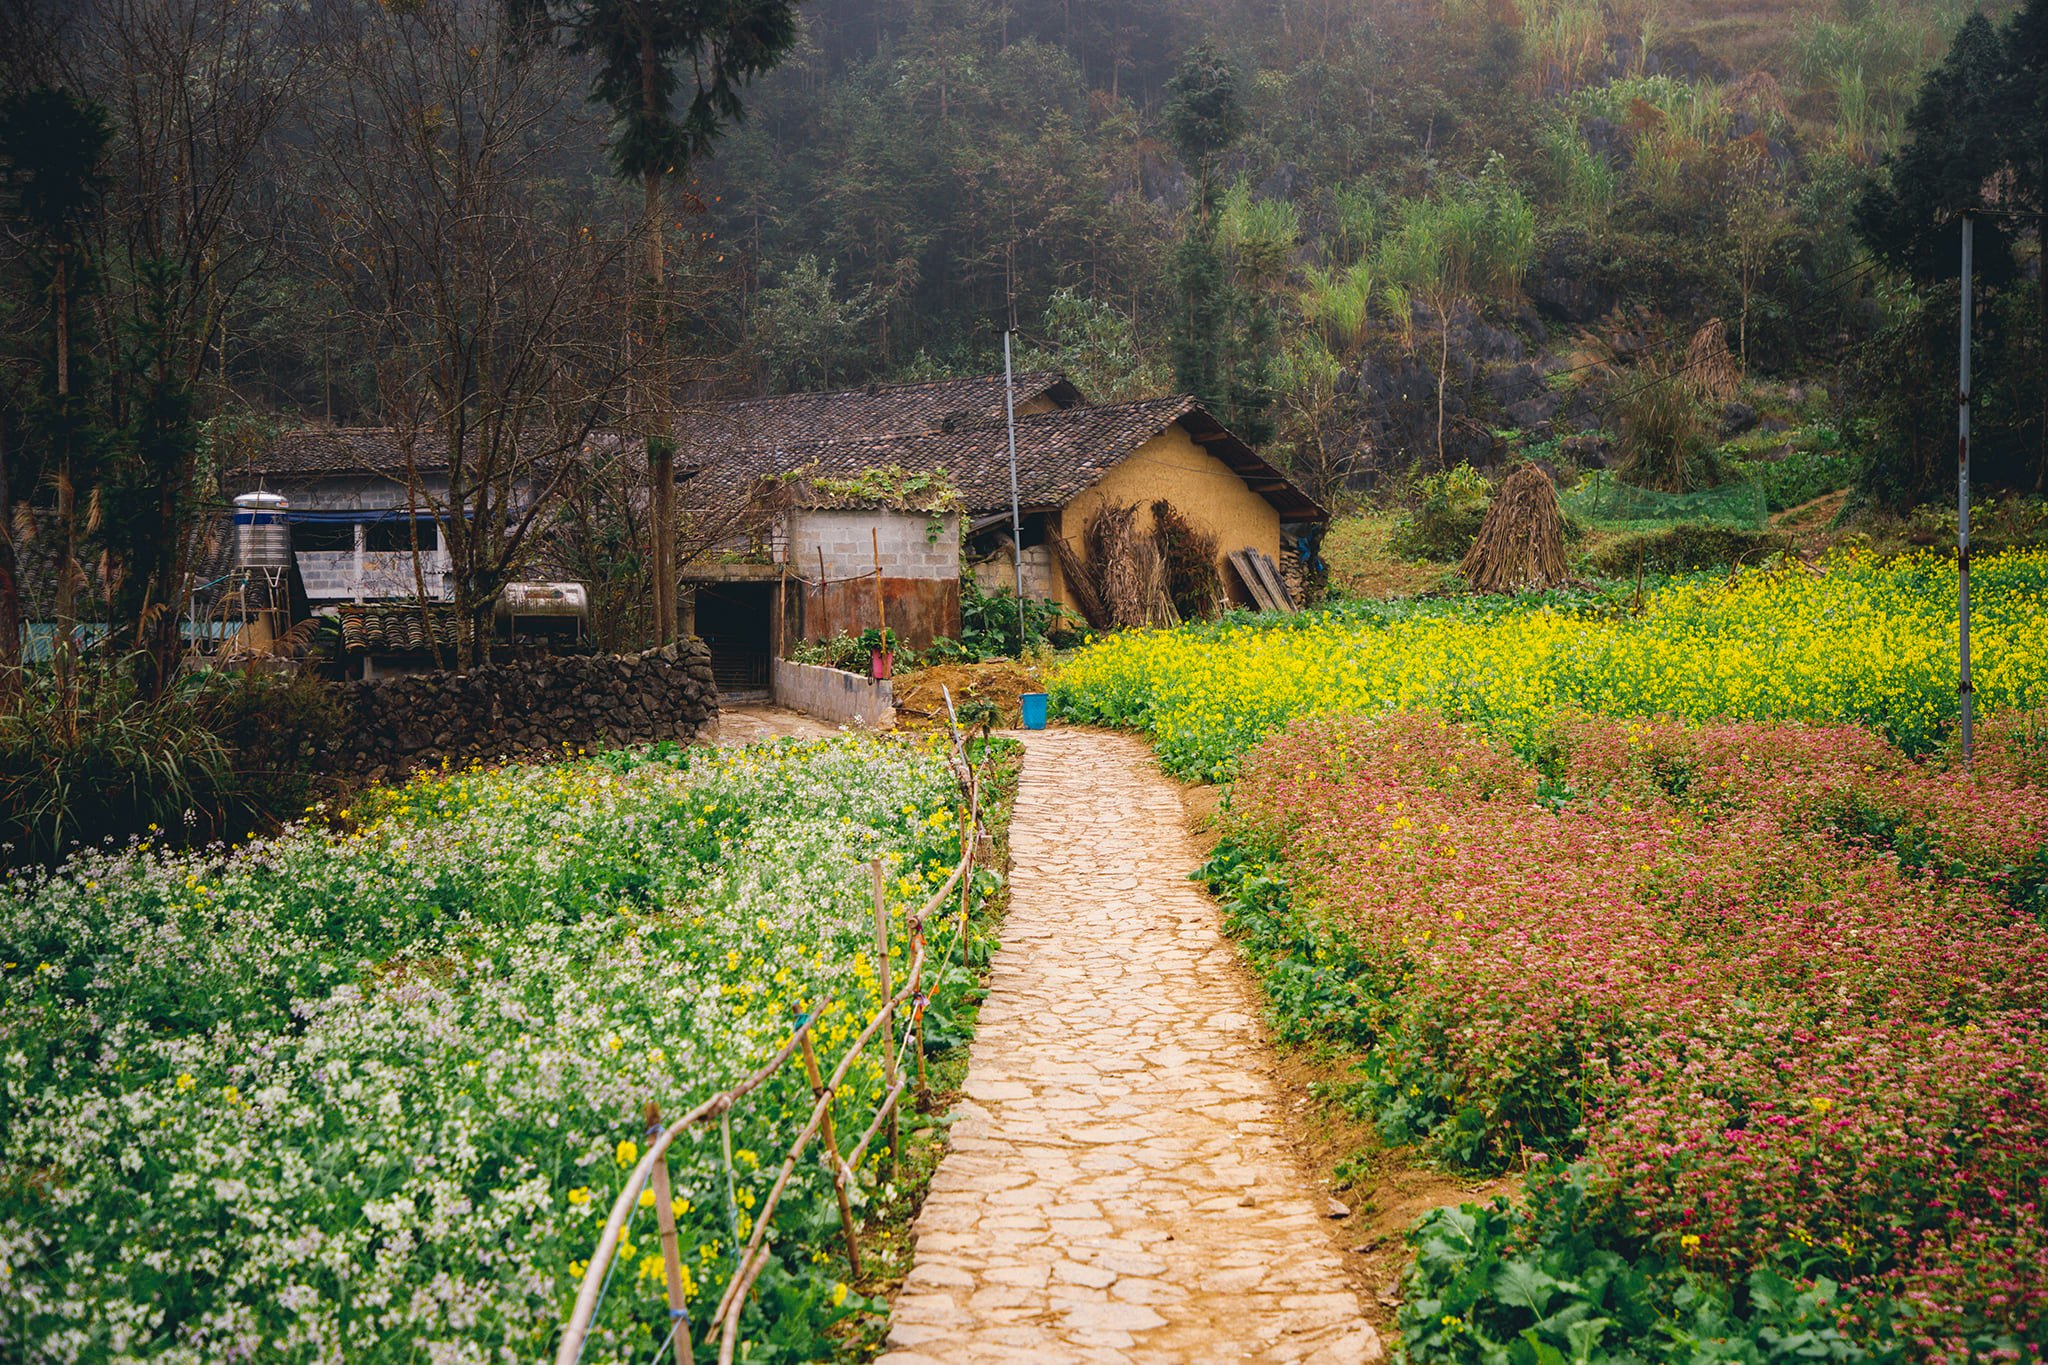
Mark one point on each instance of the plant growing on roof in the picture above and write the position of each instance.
(931, 491)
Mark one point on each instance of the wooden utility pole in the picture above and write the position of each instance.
(888, 1023)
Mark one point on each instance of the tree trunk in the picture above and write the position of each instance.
(660, 437)
(10, 601)
(1443, 369)
(61, 645)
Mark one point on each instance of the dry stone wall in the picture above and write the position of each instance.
(523, 710)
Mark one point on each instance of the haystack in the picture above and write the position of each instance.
(1709, 364)
(1521, 542)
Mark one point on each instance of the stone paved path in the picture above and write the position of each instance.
(752, 722)
(1117, 1189)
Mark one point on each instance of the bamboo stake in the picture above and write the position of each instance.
(888, 1021)
(671, 1256)
(924, 1089)
(836, 1166)
(881, 612)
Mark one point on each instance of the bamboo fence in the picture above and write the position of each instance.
(651, 1171)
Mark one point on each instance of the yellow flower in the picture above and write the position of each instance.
(627, 1152)
(185, 1081)
(1821, 1104)
(230, 1094)
(1691, 1242)
(580, 1195)
(679, 1206)
(747, 1159)
(839, 1294)
(647, 1199)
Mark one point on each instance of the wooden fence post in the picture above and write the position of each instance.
(888, 1021)
(837, 1167)
(671, 1257)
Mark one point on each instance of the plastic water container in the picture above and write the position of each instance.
(1034, 710)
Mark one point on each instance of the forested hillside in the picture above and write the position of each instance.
(1576, 187)
(1378, 238)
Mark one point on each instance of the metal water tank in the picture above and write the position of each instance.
(263, 536)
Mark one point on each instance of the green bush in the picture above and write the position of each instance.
(220, 753)
(1666, 432)
(1445, 520)
(1687, 546)
(988, 621)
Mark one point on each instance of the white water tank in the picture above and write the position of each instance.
(263, 535)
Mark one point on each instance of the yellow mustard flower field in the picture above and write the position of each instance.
(1860, 639)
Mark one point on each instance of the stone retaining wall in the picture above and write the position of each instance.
(522, 710)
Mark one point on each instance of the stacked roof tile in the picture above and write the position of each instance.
(1059, 453)
(952, 425)
(396, 628)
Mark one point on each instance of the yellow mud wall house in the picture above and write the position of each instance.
(1072, 459)
(1210, 494)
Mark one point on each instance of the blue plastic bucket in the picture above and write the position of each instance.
(1034, 710)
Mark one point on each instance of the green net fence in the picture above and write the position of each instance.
(1602, 499)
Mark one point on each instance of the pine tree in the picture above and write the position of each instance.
(671, 72)
(1222, 338)
(1977, 142)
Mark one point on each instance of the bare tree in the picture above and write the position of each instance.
(195, 91)
(487, 289)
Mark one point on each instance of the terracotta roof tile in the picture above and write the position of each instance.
(396, 628)
(1059, 453)
(705, 433)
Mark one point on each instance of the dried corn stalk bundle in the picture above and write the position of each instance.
(1129, 578)
(1709, 364)
(1521, 542)
(1188, 557)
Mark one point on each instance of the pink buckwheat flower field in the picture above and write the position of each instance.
(1759, 1006)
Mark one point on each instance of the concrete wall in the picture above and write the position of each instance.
(1000, 573)
(911, 544)
(920, 558)
(1173, 466)
(835, 696)
(332, 575)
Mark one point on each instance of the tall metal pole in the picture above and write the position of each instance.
(1016, 513)
(1963, 500)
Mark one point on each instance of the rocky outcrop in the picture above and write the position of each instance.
(523, 710)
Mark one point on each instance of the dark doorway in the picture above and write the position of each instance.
(735, 620)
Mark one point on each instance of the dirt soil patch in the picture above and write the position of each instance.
(921, 694)
(1382, 1190)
